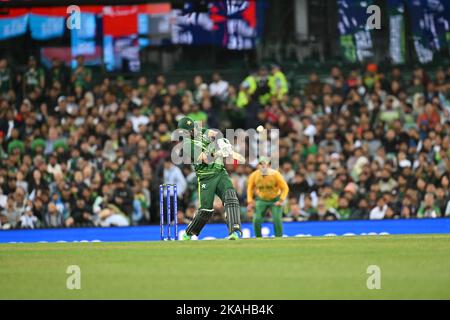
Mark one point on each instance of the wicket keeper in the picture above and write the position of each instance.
(207, 156)
(271, 191)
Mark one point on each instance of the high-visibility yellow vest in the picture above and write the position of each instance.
(250, 84)
(264, 99)
(242, 99)
(248, 87)
(278, 85)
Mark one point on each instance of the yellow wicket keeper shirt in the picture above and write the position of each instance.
(268, 186)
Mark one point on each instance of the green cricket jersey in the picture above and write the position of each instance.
(199, 145)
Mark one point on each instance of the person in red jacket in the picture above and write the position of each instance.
(430, 116)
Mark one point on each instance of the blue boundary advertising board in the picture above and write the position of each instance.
(217, 231)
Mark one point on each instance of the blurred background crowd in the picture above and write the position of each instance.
(362, 143)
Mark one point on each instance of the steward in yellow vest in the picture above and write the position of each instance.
(278, 83)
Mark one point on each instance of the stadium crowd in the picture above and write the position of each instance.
(362, 144)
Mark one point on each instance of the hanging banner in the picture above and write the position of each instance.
(121, 41)
(442, 18)
(355, 39)
(430, 27)
(88, 26)
(46, 27)
(83, 39)
(225, 23)
(120, 21)
(423, 43)
(13, 27)
(121, 53)
(397, 38)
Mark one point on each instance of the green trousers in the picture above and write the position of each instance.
(210, 185)
(261, 207)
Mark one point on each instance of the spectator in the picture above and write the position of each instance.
(407, 209)
(33, 80)
(57, 74)
(314, 87)
(362, 212)
(441, 200)
(330, 197)
(277, 83)
(201, 89)
(343, 209)
(322, 214)
(218, 87)
(174, 175)
(387, 183)
(28, 220)
(298, 187)
(20, 200)
(429, 209)
(6, 81)
(138, 119)
(53, 218)
(390, 111)
(430, 117)
(306, 210)
(372, 144)
(292, 211)
(330, 144)
(81, 76)
(10, 216)
(287, 172)
(110, 218)
(80, 214)
(123, 197)
(381, 210)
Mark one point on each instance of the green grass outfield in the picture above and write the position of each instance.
(412, 267)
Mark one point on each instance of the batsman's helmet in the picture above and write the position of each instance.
(186, 123)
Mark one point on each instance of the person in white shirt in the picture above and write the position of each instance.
(379, 212)
(218, 87)
(53, 166)
(138, 119)
(109, 218)
(28, 220)
(174, 175)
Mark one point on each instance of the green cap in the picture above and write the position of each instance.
(16, 144)
(263, 159)
(60, 144)
(186, 123)
(39, 142)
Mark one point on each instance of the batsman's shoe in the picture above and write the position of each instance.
(235, 235)
(186, 237)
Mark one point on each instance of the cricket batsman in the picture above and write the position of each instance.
(207, 155)
(271, 191)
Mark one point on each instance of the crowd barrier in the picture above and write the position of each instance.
(217, 231)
